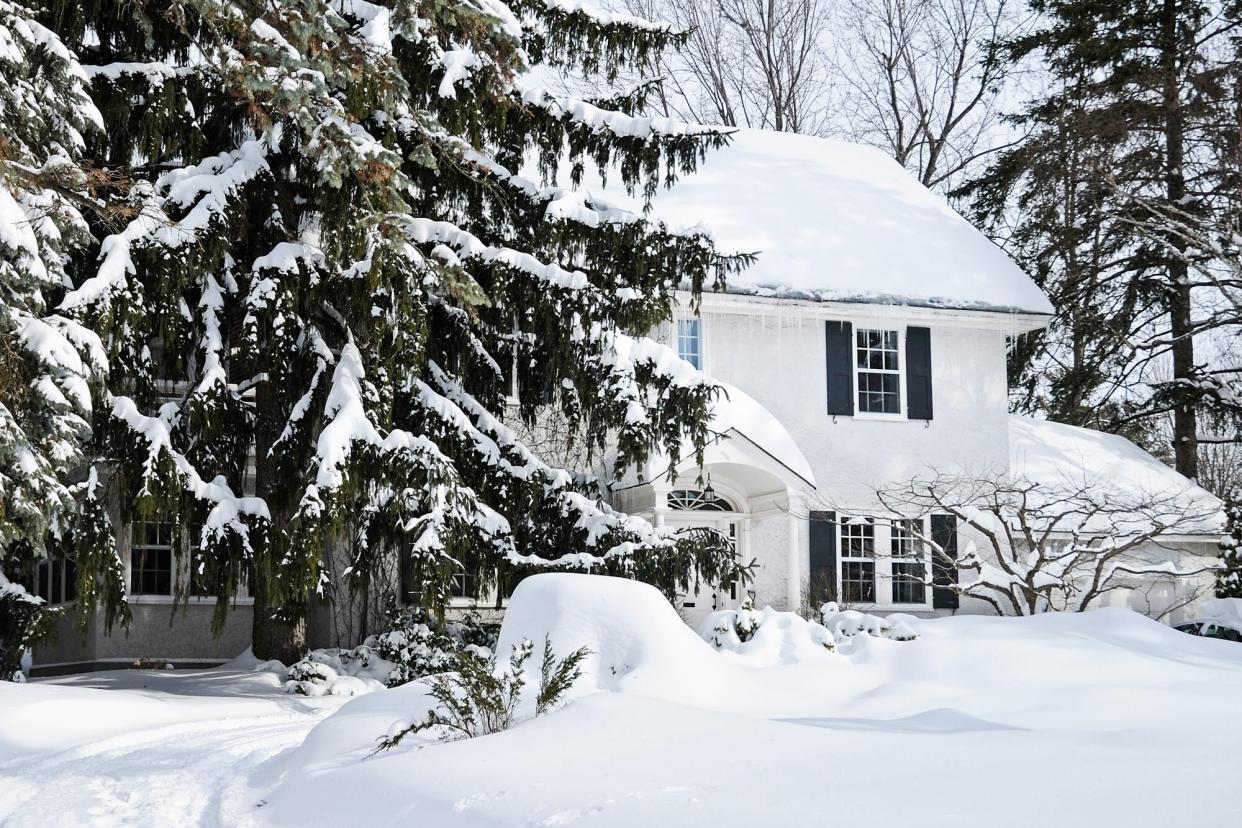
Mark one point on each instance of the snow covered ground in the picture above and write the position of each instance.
(1105, 718)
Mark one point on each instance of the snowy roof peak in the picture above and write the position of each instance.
(834, 221)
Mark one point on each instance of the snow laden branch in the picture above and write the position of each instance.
(1033, 547)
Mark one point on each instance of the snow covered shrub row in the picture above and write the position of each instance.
(849, 623)
(766, 635)
(410, 649)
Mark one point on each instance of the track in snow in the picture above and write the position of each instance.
(184, 774)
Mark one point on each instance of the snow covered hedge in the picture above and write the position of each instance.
(849, 623)
(410, 649)
(766, 634)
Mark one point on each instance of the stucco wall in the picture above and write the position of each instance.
(155, 633)
(780, 361)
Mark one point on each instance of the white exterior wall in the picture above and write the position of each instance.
(778, 357)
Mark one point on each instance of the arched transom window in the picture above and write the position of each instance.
(693, 500)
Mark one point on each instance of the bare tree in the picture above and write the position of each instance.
(924, 80)
(754, 63)
(1055, 547)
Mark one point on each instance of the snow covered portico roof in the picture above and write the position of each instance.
(833, 221)
(1057, 456)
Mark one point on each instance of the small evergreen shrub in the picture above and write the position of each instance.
(416, 649)
(479, 697)
(24, 619)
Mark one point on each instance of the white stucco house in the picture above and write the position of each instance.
(867, 345)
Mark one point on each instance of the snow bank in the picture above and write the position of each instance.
(638, 643)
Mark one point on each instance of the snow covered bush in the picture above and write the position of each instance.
(846, 624)
(410, 649)
(481, 697)
(415, 649)
(333, 672)
(765, 635)
(1229, 576)
(24, 618)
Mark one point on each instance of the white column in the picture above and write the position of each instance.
(793, 576)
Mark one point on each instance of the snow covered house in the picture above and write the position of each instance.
(866, 346)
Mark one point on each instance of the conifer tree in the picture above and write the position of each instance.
(50, 365)
(348, 255)
(1140, 95)
(1229, 577)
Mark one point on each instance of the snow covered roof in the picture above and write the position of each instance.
(1059, 455)
(834, 221)
(737, 415)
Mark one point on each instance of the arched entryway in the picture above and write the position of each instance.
(708, 508)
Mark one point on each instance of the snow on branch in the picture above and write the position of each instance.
(1034, 547)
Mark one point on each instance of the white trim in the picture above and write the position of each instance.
(685, 315)
(882, 560)
(902, 402)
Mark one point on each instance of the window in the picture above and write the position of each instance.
(56, 580)
(690, 341)
(465, 585)
(411, 592)
(878, 371)
(692, 500)
(151, 559)
(908, 565)
(858, 560)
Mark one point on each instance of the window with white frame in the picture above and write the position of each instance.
(858, 560)
(690, 341)
(878, 374)
(56, 580)
(151, 558)
(909, 571)
(882, 562)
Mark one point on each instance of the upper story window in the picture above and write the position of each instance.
(878, 371)
(690, 341)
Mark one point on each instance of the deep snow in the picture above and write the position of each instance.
(1103, 718)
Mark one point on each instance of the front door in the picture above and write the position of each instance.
(696, 605)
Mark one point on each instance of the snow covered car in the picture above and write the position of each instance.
(1211, 629)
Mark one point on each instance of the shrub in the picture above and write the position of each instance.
(849, 623)
(481, 698)
(24, 619)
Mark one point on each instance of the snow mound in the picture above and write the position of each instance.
(767, 637)
(638, 643)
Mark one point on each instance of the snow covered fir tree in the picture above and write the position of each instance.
(50, 365)
(335, 287)
(1229, 578)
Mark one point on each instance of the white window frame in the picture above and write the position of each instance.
(882, 558)
(701, 337)
(900, 373)
(182, 573)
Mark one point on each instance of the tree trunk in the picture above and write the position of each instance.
(1185, 420)
(272, 638)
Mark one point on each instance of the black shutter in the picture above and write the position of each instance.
(918, 373)
(824, 546)
(839, 339)
(944, 534)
